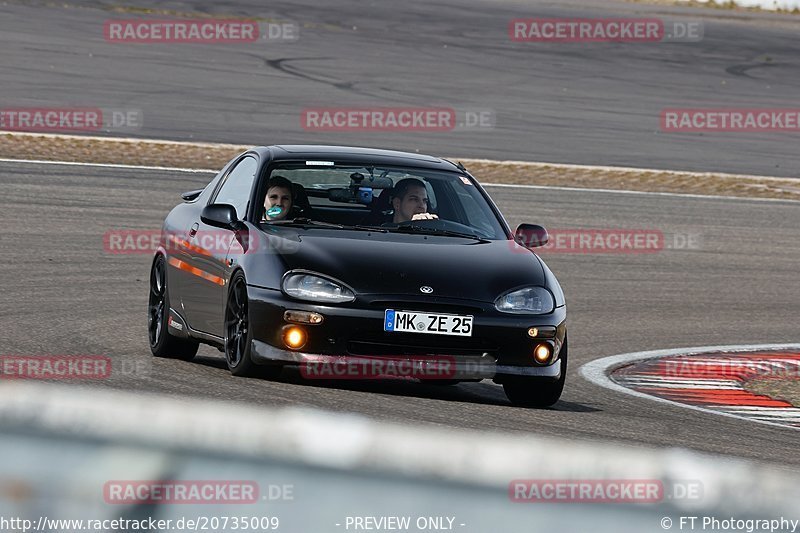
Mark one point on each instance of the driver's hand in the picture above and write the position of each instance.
(424, 216)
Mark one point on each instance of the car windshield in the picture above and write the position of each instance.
(394, 199)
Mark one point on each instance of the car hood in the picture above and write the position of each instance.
(380, 263)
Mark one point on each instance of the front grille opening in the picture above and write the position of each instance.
(381, 348)
(428, 307)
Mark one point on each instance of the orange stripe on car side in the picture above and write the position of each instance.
(177, 263)
(190, 246)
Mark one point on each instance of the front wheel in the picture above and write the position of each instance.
(239, 334)
(162, 343)
(524, 391)
(237, 329)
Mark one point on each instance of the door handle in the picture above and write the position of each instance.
(193, 231)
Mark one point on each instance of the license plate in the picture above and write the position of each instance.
(432, 323)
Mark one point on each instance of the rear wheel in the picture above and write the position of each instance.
(239, 335)
(525, 391)
(162, 343)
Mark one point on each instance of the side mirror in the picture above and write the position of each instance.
(531, 235)
(191, 196)
(219, 215)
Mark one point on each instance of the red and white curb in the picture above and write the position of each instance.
(709, 379)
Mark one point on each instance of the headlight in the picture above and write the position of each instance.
(530, 301)
(316, 289)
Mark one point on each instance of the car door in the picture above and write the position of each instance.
(204, 287)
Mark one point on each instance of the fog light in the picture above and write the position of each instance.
(542, 353)
(294, 338)
(303, 317)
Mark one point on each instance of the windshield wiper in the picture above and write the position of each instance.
(368, 228)
(305, 222)
(410, 228)
(308, 222)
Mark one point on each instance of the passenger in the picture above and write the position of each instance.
(410, 201)
(278, 201)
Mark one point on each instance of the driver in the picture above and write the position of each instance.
(410, 201)
(278, 202)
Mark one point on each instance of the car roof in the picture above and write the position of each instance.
(354, 155)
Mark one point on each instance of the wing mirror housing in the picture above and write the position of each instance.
(191, 196)
(531, 235)
(220, 216)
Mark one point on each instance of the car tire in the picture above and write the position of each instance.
(535, 391)
(162, 343)
(239, 334)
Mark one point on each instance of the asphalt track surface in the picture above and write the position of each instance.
(62, 293)
(586, 103)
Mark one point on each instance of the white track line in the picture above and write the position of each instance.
(646, 193)
(673, 383)
(132, 140)
(605, 168)
(468, 161)
(773, 412)
(511, 185)
(107, 165)
(598, 371)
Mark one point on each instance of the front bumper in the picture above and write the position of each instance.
(355, 367)
(500, 344)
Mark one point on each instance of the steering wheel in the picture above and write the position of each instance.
(449, 225)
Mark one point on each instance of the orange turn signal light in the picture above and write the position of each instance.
(295, 338)
(303, 317)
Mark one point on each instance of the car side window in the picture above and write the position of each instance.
(236, 189)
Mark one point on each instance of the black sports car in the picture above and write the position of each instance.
(326, 256)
